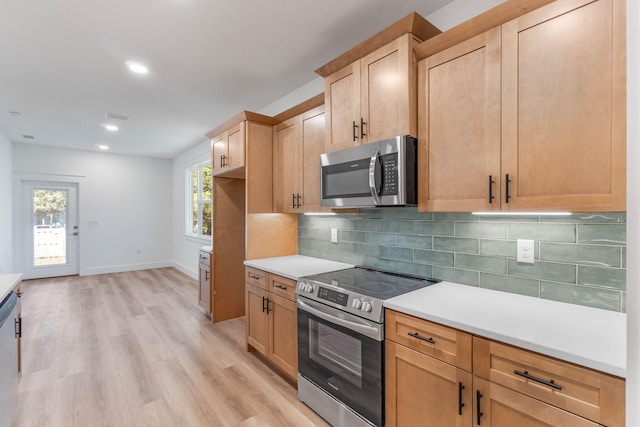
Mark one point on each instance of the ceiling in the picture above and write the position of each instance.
(63, 63)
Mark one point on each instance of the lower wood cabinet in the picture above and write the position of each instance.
(204, 288)
(496, 406)
(271, 319)
(505, 386)
(423, 391)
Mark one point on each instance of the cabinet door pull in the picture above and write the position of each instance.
(479, 413)
(18, 328)
(460, 404)
(279, 286)
(506, 187)
(293, 201)
(220, 161)
(298, 197)
(491, 181)
(268, 309)
(415, 335)
(362, 123)
(253, 276)
(263, 307)
(549, 383)
(354, 130)
(206, 275)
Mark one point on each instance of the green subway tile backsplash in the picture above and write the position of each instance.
(579, 258)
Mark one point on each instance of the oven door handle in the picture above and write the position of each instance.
(362, 326)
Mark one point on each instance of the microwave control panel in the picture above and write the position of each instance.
(389, 174)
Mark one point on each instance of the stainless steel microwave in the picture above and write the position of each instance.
(382, 173)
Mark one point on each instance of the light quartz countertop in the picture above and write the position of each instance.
(8, 282)
(207, 249)
(296, 266)
(582, 335)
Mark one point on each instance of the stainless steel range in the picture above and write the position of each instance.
(341, 342)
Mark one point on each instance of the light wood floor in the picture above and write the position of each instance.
(134, 349)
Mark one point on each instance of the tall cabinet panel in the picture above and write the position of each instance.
(564, 105)
(459, 103)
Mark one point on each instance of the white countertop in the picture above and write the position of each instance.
(8, 282)
(207, 249)
(582, 335)
(296, 266)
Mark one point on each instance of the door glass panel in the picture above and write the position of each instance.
(336, 351)
(49, 227)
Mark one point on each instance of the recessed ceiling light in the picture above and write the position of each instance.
(15, 113)
(136, 67)
(103, 147)
(110, 127)
(28, 137)
(117, 116)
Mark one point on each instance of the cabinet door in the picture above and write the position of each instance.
(387, 91)
(313, 137)
(204, 294)
(563, 112)
(257, 320)
(459, 127)
(342, 101)
(423, 391)
(501, 407)
(283, 334)
(286, 165)
(235, 146)
(218, 151)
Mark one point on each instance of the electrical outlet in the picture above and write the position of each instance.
(526, 251)
(334, 235)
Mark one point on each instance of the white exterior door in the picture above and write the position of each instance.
(50, 229)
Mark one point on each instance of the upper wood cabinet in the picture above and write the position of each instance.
(228, 149)
(229, 143)
(529, 115)
(373, 98)
(297, 145)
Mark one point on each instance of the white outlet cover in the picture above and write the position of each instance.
(334, 235)
(525, 251)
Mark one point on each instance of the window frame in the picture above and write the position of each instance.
(200, 201)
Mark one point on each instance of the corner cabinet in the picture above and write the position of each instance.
(298, 143)
(431, 380)
(529, 115)
(271, 319)
(373, 98)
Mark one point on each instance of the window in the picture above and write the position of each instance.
(199, 200)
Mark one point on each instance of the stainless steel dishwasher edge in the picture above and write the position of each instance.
(8, 359)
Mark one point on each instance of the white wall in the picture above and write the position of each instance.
(185, 249)
(633, 213)
(129, 197)
(6, 223)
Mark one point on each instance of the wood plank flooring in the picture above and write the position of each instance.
(134, 349)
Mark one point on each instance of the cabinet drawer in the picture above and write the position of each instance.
(591, 394)
(282, 286)
(256, 277)
(205, 258)
(443, 343)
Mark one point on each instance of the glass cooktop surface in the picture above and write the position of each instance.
(372, 283)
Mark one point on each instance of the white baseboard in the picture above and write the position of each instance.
(125, 267)
(186, 270)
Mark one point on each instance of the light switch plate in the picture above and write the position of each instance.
(334, 235)
(525, 252)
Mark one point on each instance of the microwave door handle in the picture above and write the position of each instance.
(372, 178)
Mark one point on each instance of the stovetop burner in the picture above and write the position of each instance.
(359, 290)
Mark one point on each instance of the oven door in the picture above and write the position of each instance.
(342, 354)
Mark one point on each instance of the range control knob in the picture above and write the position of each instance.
(301, 286)
(357, 303)
(366, 307)
(308, 288)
